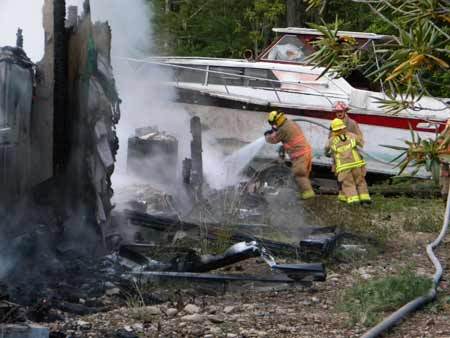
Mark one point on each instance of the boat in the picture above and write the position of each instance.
(232, 98)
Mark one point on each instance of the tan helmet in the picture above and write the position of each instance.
(341, 106)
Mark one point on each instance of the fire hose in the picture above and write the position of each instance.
(377, 159)
(419, 302)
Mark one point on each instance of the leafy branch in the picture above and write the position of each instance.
(421, 153)
(421, 47)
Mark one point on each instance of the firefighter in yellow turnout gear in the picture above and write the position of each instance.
(350, 167)
(341, 109)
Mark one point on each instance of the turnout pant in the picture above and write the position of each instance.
(301, 168)
(354, 186)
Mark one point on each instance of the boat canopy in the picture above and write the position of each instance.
(295, 44)
(311, 31)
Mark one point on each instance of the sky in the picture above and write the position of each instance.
(26, 14)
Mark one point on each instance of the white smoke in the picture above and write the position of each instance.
(26, 14)
(146, 100)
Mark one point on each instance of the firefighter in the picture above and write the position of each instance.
(444, 180)
(341, 109)
(349, 165)
(297, 147)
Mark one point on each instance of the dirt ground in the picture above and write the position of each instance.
(251, 310)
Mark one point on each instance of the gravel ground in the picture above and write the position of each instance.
(275, 311)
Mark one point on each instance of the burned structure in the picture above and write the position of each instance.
(152, 152)
(58, 117)
(16, 144)
(57, 153)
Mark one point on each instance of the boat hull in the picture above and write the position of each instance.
(232, 128)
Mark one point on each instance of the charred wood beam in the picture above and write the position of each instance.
(236, 253)
(196, 152)
(303, 272)
(211, 277)
(161, 223)
(60, 123)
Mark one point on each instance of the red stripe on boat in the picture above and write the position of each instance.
(395, 122)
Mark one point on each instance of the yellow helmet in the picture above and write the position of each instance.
(276, 118)
(337, 124)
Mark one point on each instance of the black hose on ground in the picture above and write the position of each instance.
(419, 302)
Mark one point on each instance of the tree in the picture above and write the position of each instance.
(262, 16)
(413, 64)
(295, 13)
(217, 28)
(226, 28)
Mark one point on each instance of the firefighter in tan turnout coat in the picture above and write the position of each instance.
(341, 109)
(298, 148)
(349, 165)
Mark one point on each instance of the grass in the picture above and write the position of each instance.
(383, 220)
(368, 301)
(425, 223)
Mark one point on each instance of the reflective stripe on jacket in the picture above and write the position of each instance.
(345, 152)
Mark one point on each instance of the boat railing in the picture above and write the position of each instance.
(306, 84)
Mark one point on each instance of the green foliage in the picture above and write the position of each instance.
(367, 302)
(342, 52)
(261, 17)
(226, 28)
(215, 28)
(418, 54)
(420, 153)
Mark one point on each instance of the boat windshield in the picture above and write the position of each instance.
(289, 48)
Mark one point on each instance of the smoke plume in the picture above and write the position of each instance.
(146, 100)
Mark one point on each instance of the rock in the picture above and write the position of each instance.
(124, 334)
(249, 307)
(231, 335)
(84, 325)
(217, 331)
(138, 327)
(365, 276)
(315, 300)
(153, 310)
(191, 309)
(364, 272)
(216, 319)
(228, 309)
(172, 312)
(195, 318)
(109, 285)
(212, 309)
(112, 292)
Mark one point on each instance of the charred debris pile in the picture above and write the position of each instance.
(65, 249)
(57, 152)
